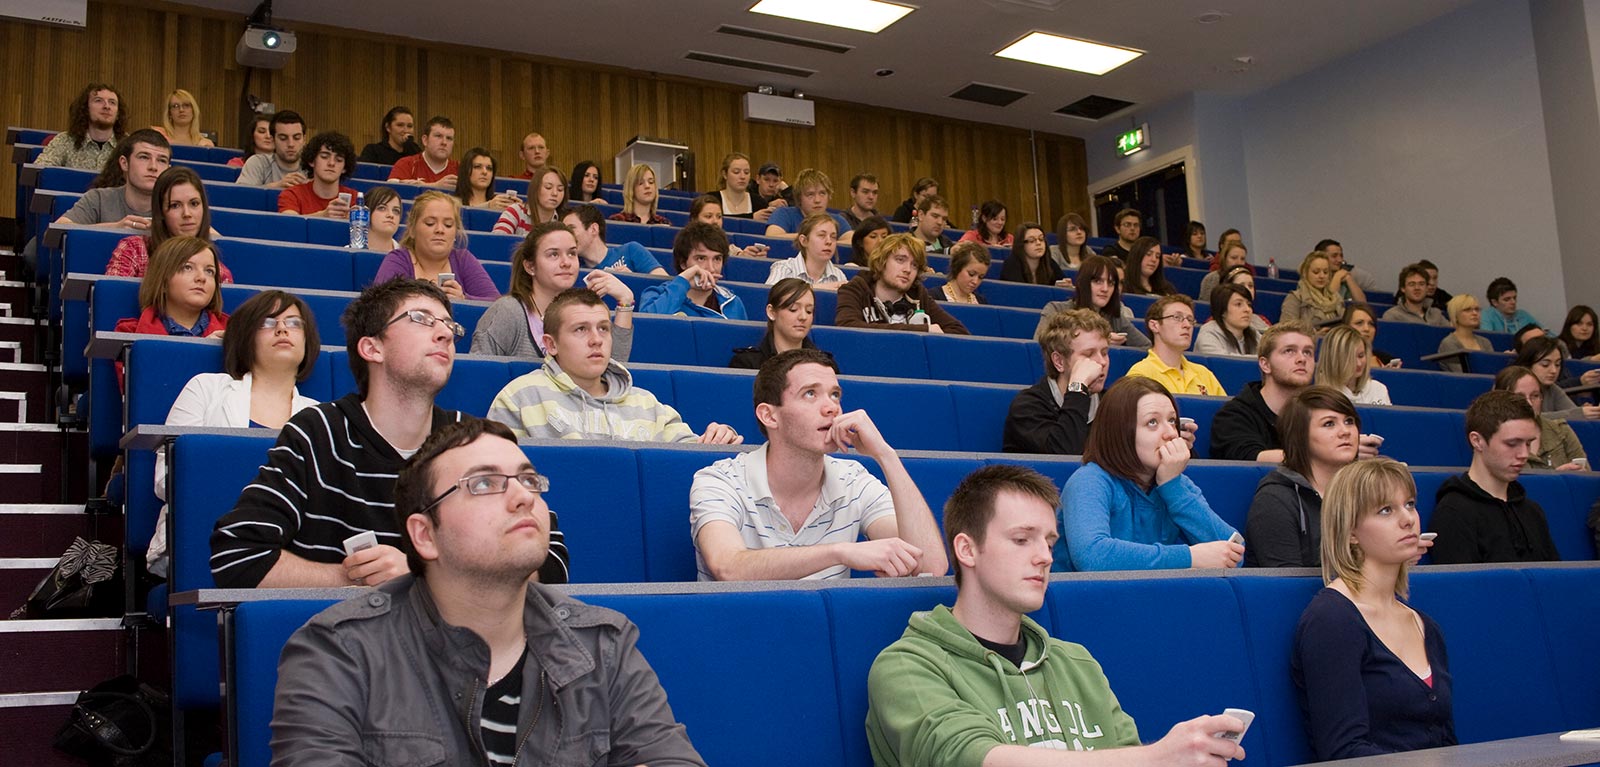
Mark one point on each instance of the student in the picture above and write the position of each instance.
(1246, 428)
(273, 347)
(258, 142)
(791, 311)
(1371, 670)
(932, 213)
(1559, 448)
(1100, 289)
(1411, 300)
(1321, 433)
(1365, 321)
(588, 224)
(1506, 317)
(180, 123)
(889, 293)
(592, 395)
(96, 124)
(1231, 330)
(1171, 323)
(1130, 507)
(432, 166)
(1030, 260)
(399, 123)
(939, 696)
(1129, 224)
(1351, 282)
(1071, 248)
(1544, 356)
(1485, 515)
(543, 267)
(535, 154)
(1437, 296)
(1315, 301)
(698, 252)
(341, 458)
(547, 193)
(1577, 332)
(921, 189)
(772, 188)
(813, 190)
(139, 161)
(281, 169)
(991, 228)
(707, 209)
(640, 197)
(180, 201)
(475, 187)
(738, 201)
(584, 183)
(330, 159)
(1053, 415)
(969, 263)
(1236, 255)
(1465, 318)
(1147, 275)
(178, 295)
(866, 237)
(1195, 247)
(788, 510)
(386, 212)
(435, 244)
(1343, 366)
(459, 656)
(863, 199)
(816, 241)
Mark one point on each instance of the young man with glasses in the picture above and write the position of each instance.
(458, 661)
(1171, 322)
(1413, 295)
(331, 474)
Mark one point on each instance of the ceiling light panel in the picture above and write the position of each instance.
(1068, 53)
(864, 15)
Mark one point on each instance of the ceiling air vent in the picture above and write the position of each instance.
(757, 66)
(1094, 107)
(774, 37)
(993, 95)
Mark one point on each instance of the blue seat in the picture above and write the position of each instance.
(261, 629)
(664, 339)
(986, 360)
(665, 476)
(1569, 605)
(923, 426)
(716, 341)
(1271, 609)
(473, 385)
(1419, 436)
(723, 396)
(869, 352)
(1428, 389)
(980, 416)
(261, 225)
(595, 493)
(1229, 489)
(1202, 410)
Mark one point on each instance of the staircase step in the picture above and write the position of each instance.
(19, 340)
(46, 531)
(31, 464)
(28, 724)
(51, 655)
(18, 578)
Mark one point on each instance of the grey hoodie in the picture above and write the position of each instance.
(1284, 528)
(547, 403)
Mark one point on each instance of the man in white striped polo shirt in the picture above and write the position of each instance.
(788, 510)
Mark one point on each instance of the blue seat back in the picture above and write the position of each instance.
(261, 629)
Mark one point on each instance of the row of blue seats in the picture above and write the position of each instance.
(1172, 648)
(642, 527)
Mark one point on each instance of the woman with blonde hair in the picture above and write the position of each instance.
(1465, 314)
(181, 122)
(434, 248)
(816, 242)
(1316, 300)
(639, 198)
(1345, 364)
(1372, 672)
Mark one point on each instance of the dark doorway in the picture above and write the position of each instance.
(1162, 199)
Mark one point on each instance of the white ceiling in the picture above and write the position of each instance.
(934, 51)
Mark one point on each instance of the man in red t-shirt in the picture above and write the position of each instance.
(329, 158)
(535, 154)
(433, 167)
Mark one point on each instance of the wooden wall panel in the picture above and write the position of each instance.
(345, 80)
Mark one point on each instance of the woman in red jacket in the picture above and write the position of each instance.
(179, 295)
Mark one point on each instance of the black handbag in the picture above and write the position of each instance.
(117, 723)
(85, 583)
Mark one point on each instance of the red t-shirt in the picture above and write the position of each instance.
(414, 168)
(301, 199)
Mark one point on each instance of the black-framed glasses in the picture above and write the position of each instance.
(423, 318)
(494, 484)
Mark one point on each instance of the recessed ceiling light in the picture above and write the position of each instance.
(864, 15)
(1068, 53)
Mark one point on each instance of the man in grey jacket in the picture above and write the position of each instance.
(465, 661)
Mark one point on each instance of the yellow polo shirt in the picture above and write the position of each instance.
(1192, 378)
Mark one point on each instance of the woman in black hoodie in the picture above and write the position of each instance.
(1321, 433)
(791, 309)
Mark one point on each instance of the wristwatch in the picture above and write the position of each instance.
(1073, 387)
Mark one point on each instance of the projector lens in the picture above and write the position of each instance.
(271, 39)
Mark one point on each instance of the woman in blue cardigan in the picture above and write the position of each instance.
(1130, 507)
(1372, 671)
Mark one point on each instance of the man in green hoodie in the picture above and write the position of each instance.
(983, 684)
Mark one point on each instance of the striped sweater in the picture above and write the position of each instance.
(331, 475)
(547, 404)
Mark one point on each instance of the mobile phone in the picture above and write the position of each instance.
(1186, 422)
(1428, 536)
(1242, 715)
(1236, 538)
(363, 540)
(446, 277)
(344, 197)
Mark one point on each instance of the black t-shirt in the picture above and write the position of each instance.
(501, 704)
(1015, 653)
(383, 154)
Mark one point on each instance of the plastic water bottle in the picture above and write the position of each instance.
(360, 218)
(1272, 267)
(974, 217)
(918, 317)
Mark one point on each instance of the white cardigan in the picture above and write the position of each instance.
(209, 399)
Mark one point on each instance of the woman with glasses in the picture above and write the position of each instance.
(1030, 259)
(273, 347)
(1559, 448)
(434, 248)
(181, 123)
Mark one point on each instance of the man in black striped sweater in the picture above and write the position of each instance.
(332, 473)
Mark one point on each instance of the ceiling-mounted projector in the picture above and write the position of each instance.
(264, 47)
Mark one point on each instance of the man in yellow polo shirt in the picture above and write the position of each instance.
(1171, 322)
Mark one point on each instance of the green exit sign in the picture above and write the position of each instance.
(1136, 140)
